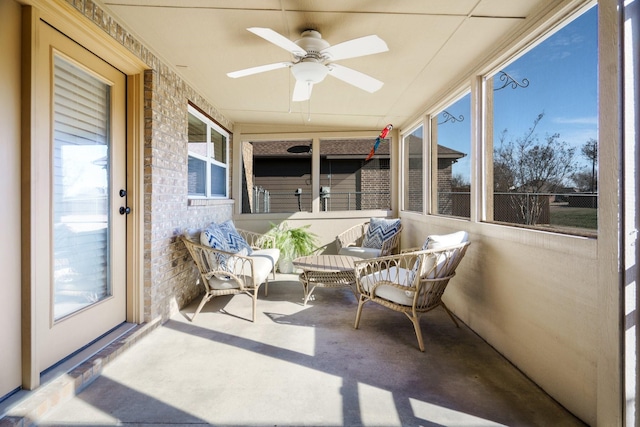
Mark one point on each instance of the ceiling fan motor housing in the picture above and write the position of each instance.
(313, 43)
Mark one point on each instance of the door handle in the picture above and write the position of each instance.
(124, 210)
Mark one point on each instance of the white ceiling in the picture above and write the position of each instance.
(431, 42)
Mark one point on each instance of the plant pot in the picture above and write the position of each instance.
(285, 265)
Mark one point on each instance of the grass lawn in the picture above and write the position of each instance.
(565, 216)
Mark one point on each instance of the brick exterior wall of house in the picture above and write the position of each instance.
(169, 273)
(445, 206)
(414, 201)
(376, 184)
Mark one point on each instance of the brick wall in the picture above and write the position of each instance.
(376, 179)
(444, 188)
(169, 273)
(413, 195)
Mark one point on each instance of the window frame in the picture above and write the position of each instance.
(480, 88)
(208, 158)
(489, 135)
(320, 193)
(432, 140)
(255, 134)
(404, 166)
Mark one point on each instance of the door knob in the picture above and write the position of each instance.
(124, 210)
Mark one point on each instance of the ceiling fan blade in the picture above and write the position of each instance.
(302, 91)
(362, 46)
(258, 69)
(355, 78)
(278, 39)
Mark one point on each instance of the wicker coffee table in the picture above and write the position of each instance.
(326, 271)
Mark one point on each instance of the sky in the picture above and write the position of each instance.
(562, 75)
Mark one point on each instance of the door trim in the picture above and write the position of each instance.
(71, 22)
(135, 198)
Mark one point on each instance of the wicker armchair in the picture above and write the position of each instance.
(227, 273)
(412, 282)
(350, 242)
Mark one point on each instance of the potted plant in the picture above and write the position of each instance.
(293, 243)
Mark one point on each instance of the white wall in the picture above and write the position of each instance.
(10, 351)
(326, 225)
(531, 295)
(631, 218)
(548, 302)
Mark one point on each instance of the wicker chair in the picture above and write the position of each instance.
(350, 241)
(227, 273)
(412, 282)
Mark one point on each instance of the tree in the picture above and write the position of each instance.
(526, 167)
(459, 183)
(590, 151)
(583, 179)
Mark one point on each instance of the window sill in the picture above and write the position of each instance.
(209, 202)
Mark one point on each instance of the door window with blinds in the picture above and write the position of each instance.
(81, 149)
(208, 157)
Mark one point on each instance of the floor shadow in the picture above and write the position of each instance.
(118, 402)
(459, 373)
(307, 365)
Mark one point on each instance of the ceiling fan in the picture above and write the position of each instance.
(313, 60)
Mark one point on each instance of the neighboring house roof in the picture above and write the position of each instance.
(449, 153)
(344, 148)
(443, 152)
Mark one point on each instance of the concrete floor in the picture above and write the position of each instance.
(308, 366)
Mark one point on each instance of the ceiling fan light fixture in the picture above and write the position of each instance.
(309, 72)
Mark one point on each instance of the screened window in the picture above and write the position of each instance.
(451, 138)
(277, 176)
(208, 157)
(545, 130)
(413, 166)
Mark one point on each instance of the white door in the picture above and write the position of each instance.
(80, 284)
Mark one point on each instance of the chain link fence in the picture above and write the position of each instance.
(559, 210)
(298, 201)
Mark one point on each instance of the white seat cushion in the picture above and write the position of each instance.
(396, 275)
(262, 267)
(360, 252)
(272, 254)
